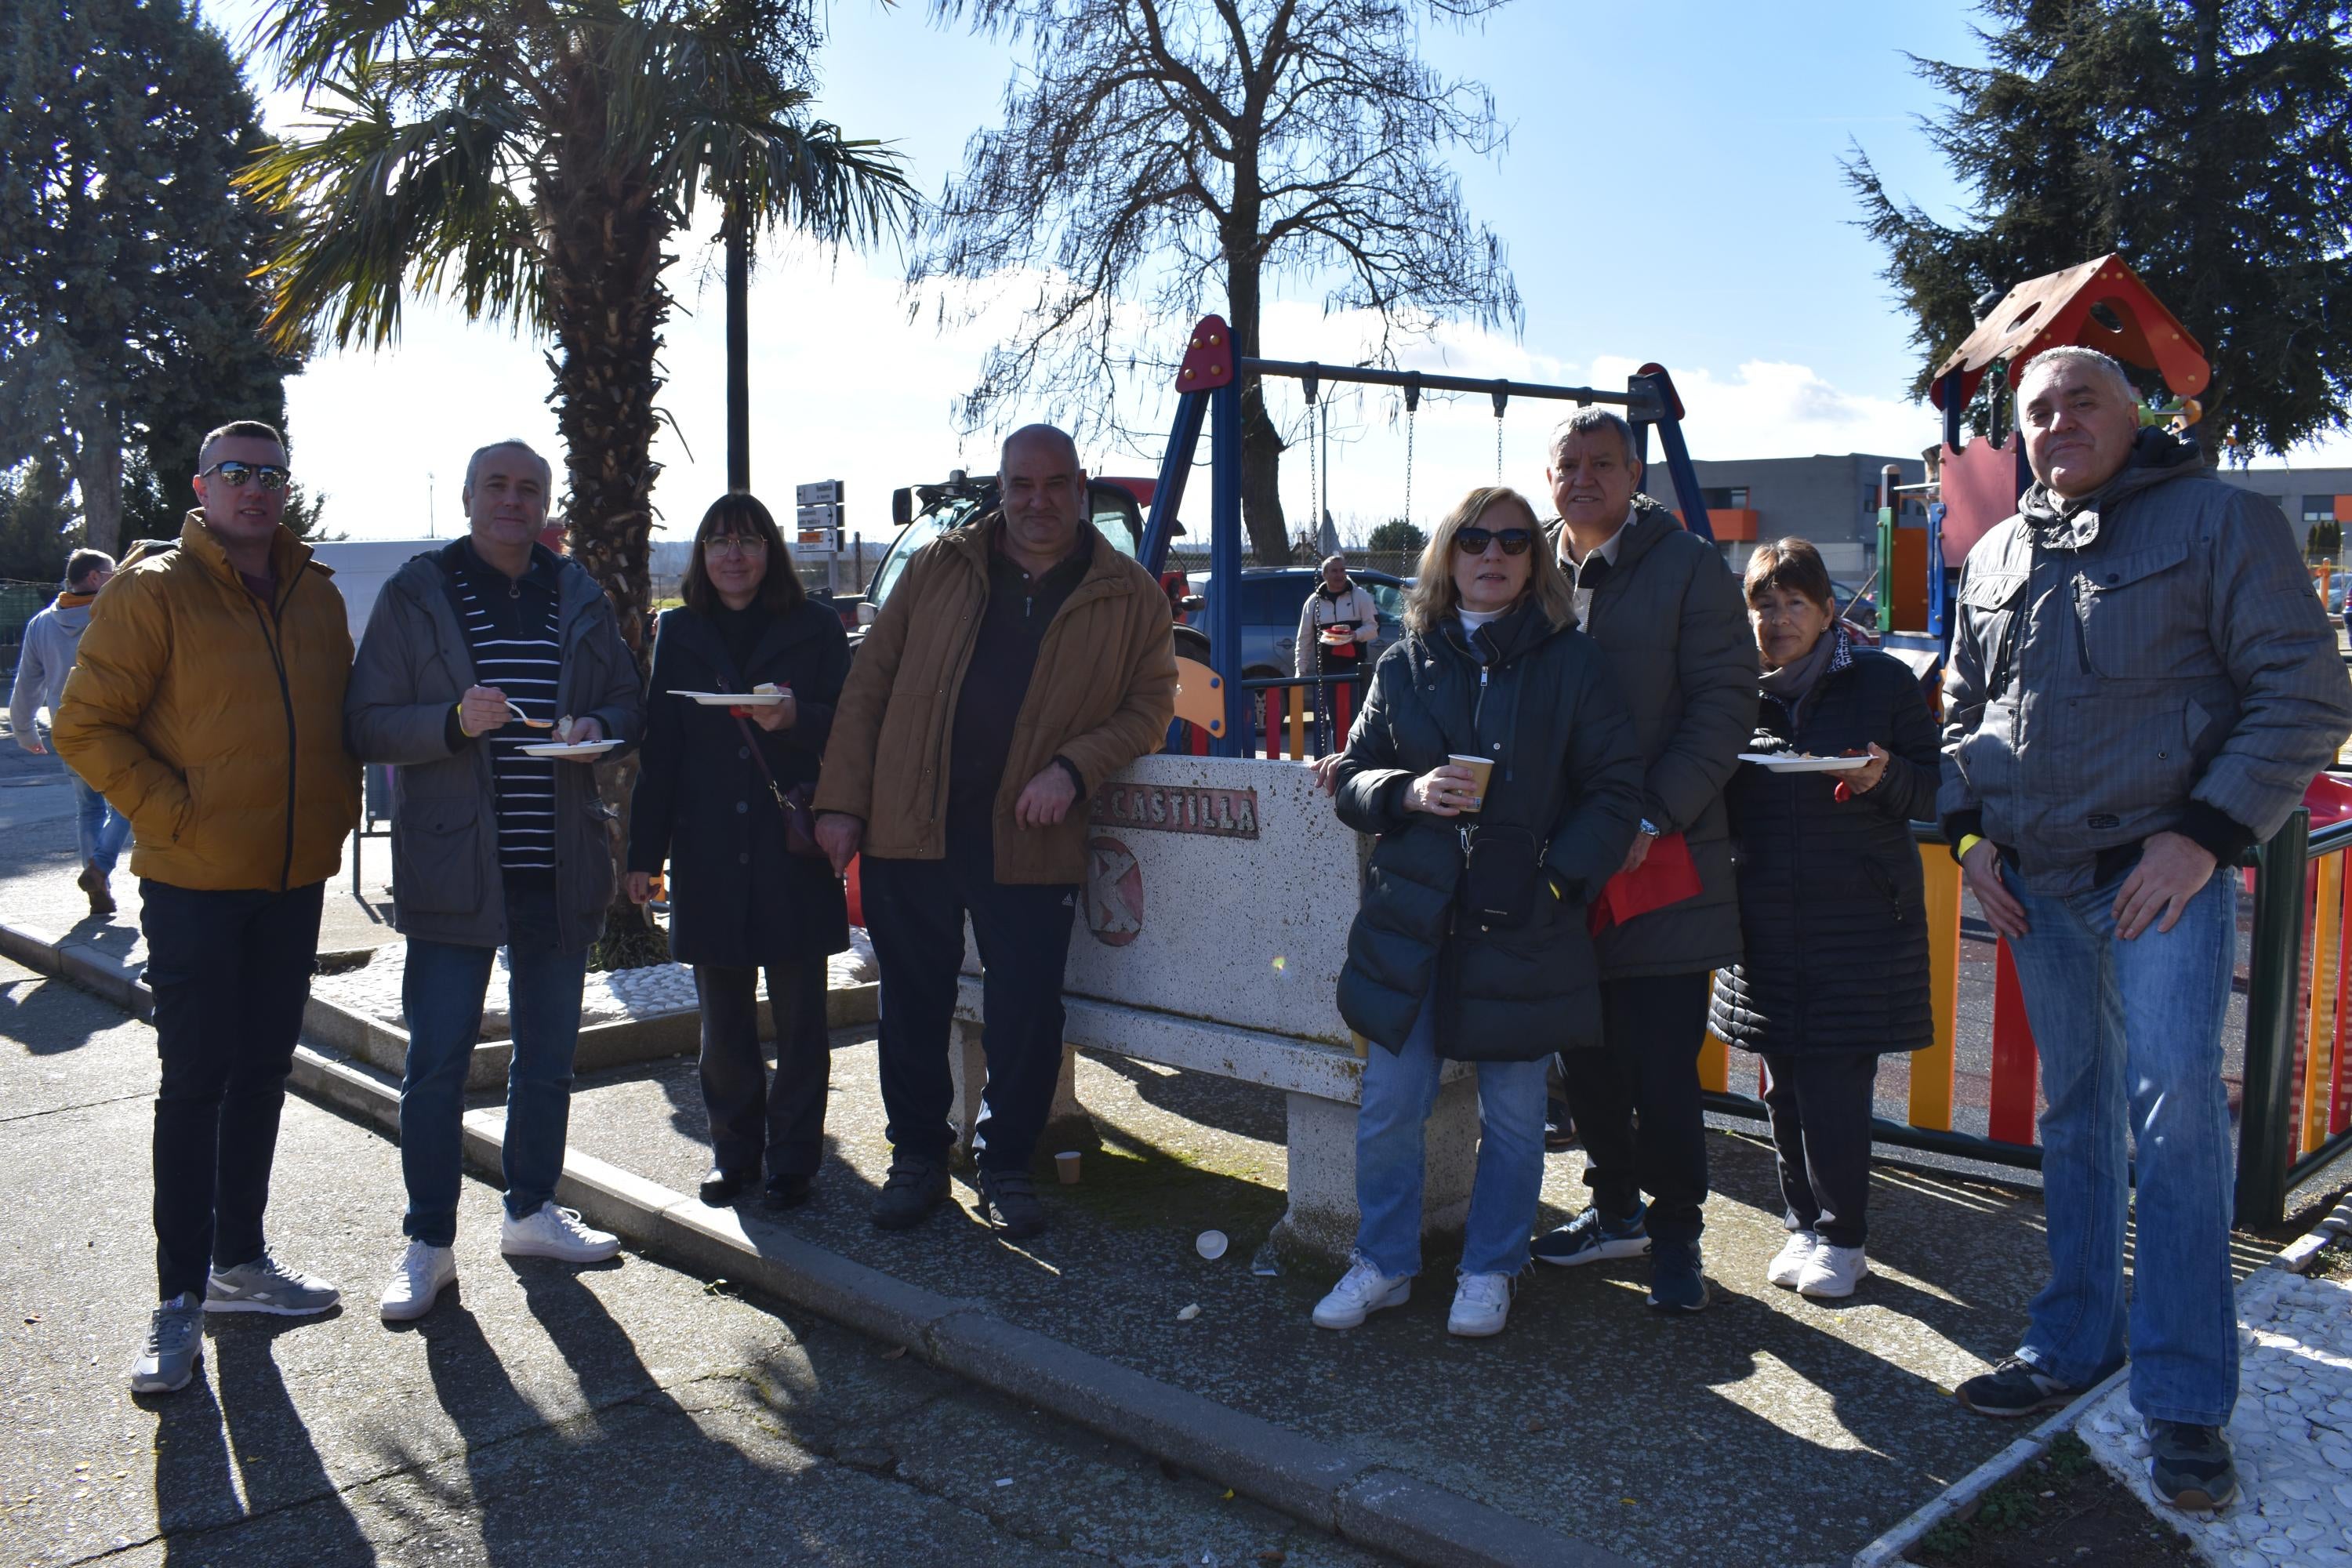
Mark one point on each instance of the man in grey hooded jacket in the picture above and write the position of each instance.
(51, 640)
(2142, 684)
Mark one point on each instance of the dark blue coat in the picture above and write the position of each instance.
(1831, 893)
(737, 896)
(1567, 767)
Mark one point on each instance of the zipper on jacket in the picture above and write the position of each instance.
(286, 698)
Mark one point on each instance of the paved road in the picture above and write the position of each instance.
(626, 1414)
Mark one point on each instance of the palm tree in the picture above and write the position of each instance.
(533, 159)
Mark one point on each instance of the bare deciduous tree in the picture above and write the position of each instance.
(1160, 152)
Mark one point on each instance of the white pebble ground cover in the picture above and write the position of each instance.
(2292, 1431)
(372, 990)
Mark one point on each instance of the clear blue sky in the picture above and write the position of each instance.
(1671, 191)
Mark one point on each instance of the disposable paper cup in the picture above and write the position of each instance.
(1210, 1244)
(1066, 1164)
(1480, 769)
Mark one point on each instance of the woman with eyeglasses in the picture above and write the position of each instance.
(1832, 904)
(1498, 768)
(716, 797)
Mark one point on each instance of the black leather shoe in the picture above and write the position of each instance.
(786, 1192)
(913, 1189)
(1008, 1201)
(721, 1188)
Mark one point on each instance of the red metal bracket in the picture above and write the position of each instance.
(1209, 362)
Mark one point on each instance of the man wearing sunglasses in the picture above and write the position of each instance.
(1672, 618)
(205, 703)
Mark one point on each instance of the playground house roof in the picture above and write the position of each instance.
(2061, 309)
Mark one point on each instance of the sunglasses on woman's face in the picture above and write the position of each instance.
(234, 474)
(1474, 541)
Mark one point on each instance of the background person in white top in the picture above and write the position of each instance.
(1337, 602)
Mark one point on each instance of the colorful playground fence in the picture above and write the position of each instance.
(2297, 1108)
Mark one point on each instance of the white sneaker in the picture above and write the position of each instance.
(1481, 1302)
(1361, 1292)
(1832, 1272)
(1788, 1265)
(551, 1232)
(416, 1282)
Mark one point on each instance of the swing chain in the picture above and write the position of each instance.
(1412, 414)
(1313, 485)
(1502, 396)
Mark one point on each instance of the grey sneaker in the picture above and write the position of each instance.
(266, 1285)
(2191, 1467)
(175, 1342)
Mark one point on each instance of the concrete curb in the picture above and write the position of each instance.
(2304, 1251)
(1348, 1495)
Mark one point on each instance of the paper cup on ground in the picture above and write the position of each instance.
(1481, 769)
(1066, 1165)
(1210, 1244)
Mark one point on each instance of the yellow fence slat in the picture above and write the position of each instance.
(2320, 1038)
(1298, 723)
(1714, 1063)
(1931, 1070)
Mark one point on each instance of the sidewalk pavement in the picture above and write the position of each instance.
(624, 1414)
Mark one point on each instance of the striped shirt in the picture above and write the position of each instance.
(510, 631)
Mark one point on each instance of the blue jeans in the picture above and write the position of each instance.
(1400, 1091)
(2130, 1037)
(99, 829)
(441, 995)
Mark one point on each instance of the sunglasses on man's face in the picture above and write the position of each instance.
(234, 475)
(1474, 541)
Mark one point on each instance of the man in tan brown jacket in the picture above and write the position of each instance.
(206, 704)
(1019, 663)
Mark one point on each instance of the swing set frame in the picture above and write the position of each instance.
(1210, 380)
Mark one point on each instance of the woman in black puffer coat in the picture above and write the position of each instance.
(1495, 969)
(1832, 904)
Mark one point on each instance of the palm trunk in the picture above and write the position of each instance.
(608, 305)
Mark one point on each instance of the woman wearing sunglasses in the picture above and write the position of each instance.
(1470, 943)
(717, 787)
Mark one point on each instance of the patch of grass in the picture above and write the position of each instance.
(2332, 1263)
(2062, 1509)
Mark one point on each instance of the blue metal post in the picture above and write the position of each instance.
(1678, 462)
(1175, 468)
(1952, 409)
(1225, 565)
(1938, 579)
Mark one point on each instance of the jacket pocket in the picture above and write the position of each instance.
(1989, 606)
(2129, 607)
(436, 856)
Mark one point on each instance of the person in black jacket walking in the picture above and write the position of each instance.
(711, 800)
(1833, 905)
(1470, 944)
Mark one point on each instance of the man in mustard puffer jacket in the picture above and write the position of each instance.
(206, 704)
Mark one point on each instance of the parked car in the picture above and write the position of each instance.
(1270, 599)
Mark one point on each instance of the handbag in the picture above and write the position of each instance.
(800, 817)
(1503, 873)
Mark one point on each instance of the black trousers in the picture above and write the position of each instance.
(1635, 1099)
(1821, 1104)
(231, 972)
(753, 1116)
(914, 912)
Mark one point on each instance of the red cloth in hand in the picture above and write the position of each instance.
(1666, 875)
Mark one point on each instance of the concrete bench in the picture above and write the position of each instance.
(1214, 925)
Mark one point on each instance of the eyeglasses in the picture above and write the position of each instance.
(735, 544)
(1474, 541)
(234, 474)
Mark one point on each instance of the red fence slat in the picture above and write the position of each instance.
(2010, 1117)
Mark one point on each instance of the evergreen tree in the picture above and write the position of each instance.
(2208, 141)
(37, 527)
(130, 319)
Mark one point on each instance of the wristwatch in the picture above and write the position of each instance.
(1648, 828)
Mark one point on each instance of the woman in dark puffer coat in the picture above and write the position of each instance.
(1496, 968)
(1832, 905)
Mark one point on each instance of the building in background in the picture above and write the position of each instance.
(1830, 499)
(2309, 497)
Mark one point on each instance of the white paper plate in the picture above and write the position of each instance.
(558, 748)
(1782, 762)
(732, 699)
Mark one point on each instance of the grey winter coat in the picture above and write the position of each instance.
(2150, 660)
(412, 669)
(45, 661)
(1672, 619)
(1538, 699)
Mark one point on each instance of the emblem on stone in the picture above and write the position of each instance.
(1114, 893)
